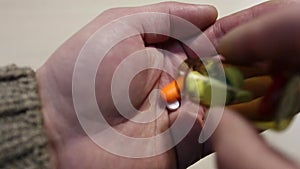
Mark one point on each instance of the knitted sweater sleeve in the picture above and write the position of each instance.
(22, 138)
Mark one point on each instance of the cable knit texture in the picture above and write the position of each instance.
(22, 138)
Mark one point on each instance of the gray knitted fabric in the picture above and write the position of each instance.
(22, 138)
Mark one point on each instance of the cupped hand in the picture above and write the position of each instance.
(70, 145)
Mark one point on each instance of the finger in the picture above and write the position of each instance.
(189, 150)
(149, 20)
(239, 146)
(272, 37)
(172, 24)
(226, 24)
(201, 16)
(206, 43)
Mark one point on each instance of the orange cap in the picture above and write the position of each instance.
(171, 92)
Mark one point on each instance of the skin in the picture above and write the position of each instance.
(272, 41)
(70, 147)
(243, 148)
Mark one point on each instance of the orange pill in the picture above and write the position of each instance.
(171, 92)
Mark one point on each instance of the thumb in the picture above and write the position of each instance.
(238, 145)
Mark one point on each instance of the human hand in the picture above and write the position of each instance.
(248, 37)
(238, 145)
(66, 137)
(270, 42)
(69, 144)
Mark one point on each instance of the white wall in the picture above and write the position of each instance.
(32, 29)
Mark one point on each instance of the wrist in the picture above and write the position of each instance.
(48, 111)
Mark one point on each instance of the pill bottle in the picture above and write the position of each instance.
(196, 77)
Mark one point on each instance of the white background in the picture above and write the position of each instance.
(31, 30)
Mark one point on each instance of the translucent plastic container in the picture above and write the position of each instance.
(195, 79)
